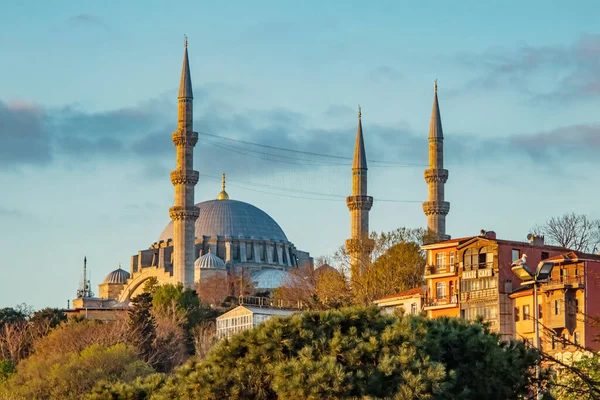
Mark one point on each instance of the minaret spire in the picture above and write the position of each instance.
(184, 213)
(85, 288)
(436, 176)
(359, 246)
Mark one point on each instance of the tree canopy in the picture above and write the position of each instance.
(358, 353)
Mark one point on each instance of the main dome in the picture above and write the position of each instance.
(232, 218)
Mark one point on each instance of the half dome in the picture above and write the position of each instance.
(117, 276)
(209, 261)
(269, 278)
(232, 218)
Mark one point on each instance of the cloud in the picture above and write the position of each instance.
(384, 73)
(251, 142)
(87, 19)
(547, 73)
(23, 139)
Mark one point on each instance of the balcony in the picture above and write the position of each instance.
(446, 269)
(565, 282)
(443, 302)
(481, 294)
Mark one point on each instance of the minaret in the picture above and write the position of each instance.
(436, 176)
(359, 246)
(184, 213)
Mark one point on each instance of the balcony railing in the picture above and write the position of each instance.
(479, 294)
(442, 301)
(269, 302)
(565, 281)
(471, 267)
(441, 269)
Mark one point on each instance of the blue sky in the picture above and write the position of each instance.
(88, 97)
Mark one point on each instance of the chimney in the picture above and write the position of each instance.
(536, 240)
(508, 286)
(490, 235)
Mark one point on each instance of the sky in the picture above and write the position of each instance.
(88, 105)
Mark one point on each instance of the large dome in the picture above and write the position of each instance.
(234, 219)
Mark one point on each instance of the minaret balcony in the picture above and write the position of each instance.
(436, 207)
(185, 139)
(179, 177)
(184, 213)
(359, 202)
(436, 175)
(360, 245)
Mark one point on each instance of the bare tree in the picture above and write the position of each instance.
(204, 337)
(573, 231)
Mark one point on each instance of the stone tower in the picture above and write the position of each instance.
(359, 246)
(436, 176)
(184, 213)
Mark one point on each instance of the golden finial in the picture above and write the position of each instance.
(185, 40)
(435, 85)
(359, 112)
(223, 195)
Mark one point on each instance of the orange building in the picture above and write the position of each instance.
(566, 302)
(471, 277)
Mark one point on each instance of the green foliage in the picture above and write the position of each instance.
(186, 301)
(578, 381)
(151, 285)
(53, 316)
(72, 375)
(11, 315)
(139, 389)
(7, 368)
(357, 352)
(142, 327)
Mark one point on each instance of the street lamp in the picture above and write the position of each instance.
(528, 277)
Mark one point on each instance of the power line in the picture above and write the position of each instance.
(348, 160)
(325, 196)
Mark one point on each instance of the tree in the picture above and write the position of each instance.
(573, 231)
(359, 353)
(52, 316)
(397, 263)
(142, 326)
(72, 375)
(10, 315)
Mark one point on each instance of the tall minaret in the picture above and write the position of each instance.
(184, 213)
(359, 246)
(436, 176)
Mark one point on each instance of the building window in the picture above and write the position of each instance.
(577, 338)
(545, 255)
(451, 259)
(553, 342)
(440, 290)
(517, 314)
(565, 340)
(526, 312)
(556, 307)
(516, 254)
(440, 261)
(413, 308)
(471, 259)
(540, 311)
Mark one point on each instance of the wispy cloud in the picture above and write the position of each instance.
(385, 73)
(87, 19)
(563, 73)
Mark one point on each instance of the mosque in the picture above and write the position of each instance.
(228, 238)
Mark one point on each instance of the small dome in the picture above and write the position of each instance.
(209, 260)
(269, 278)
(117, 276)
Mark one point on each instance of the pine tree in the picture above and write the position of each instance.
(142, 327)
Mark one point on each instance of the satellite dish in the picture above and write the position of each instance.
(529, 236)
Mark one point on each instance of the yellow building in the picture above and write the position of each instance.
(566, 302)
